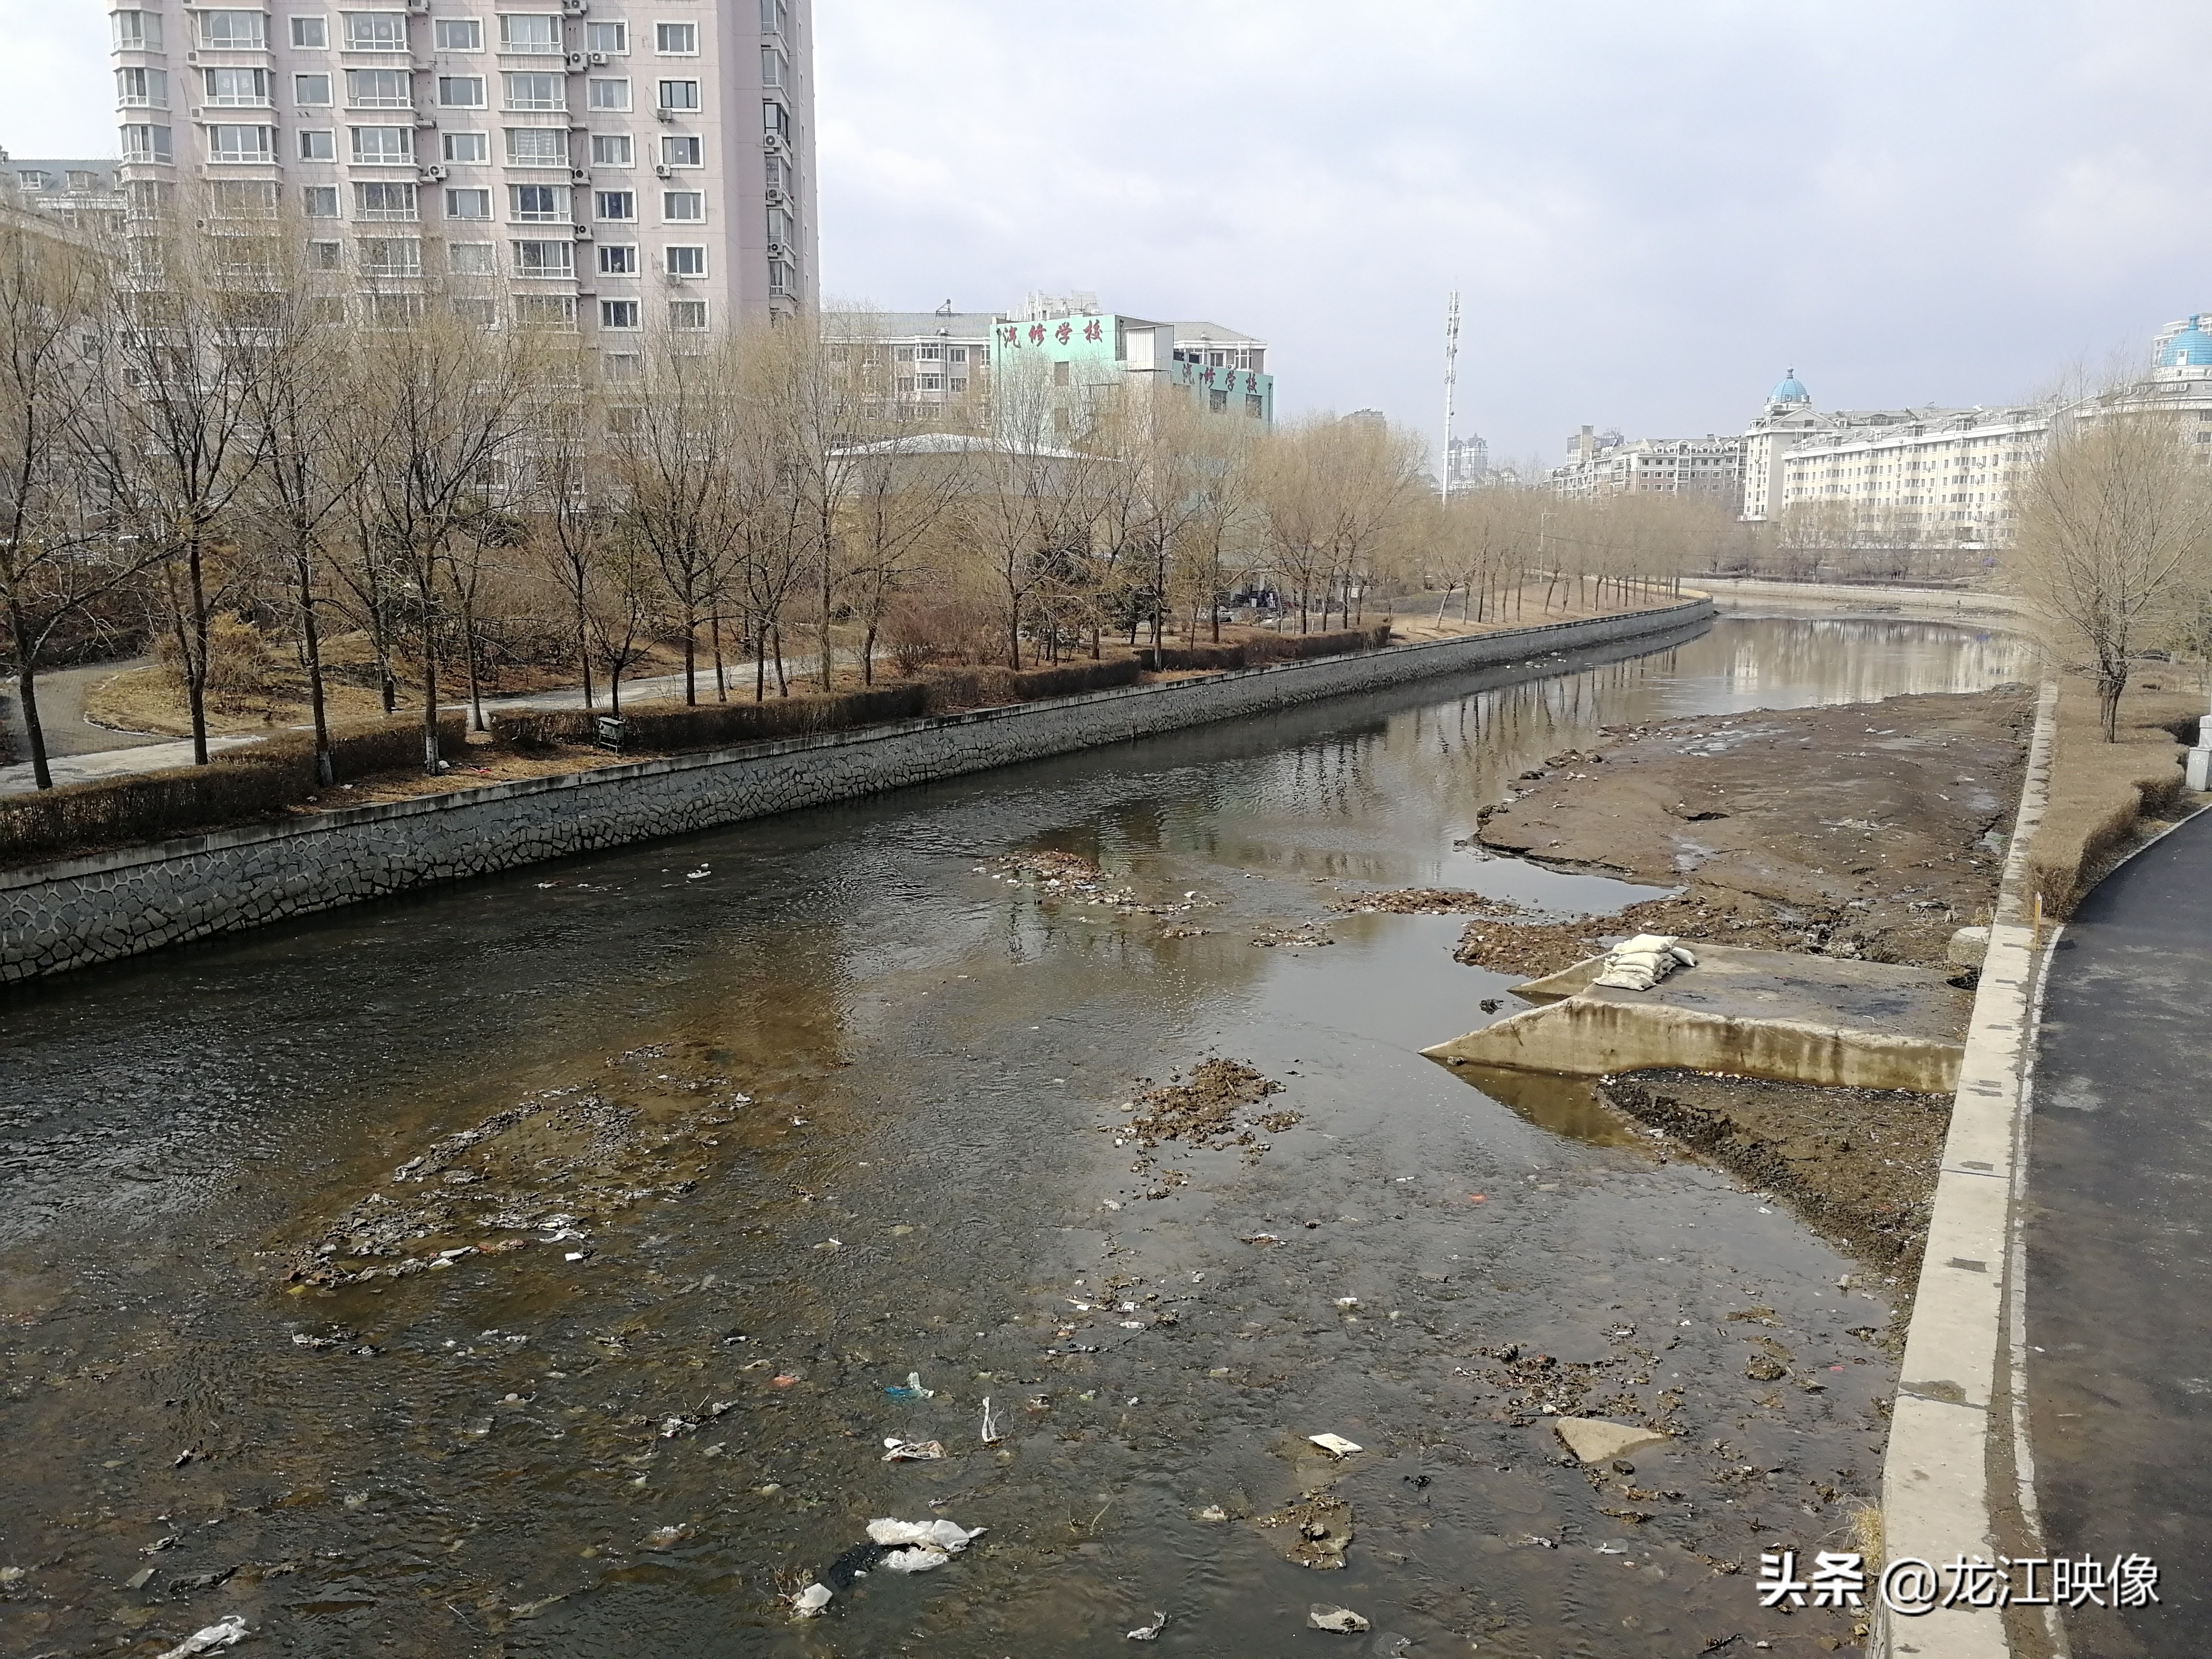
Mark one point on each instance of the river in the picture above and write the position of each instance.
(790, 1110)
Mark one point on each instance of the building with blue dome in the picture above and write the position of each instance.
(2184, 350)
(1789, 393)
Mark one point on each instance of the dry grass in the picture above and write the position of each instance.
(2102, 792)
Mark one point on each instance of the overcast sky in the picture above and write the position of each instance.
(1650, 210)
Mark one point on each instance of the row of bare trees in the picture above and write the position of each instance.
(197, 425)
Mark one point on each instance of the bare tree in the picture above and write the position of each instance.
(318, 439)
(453, 397)
(192, 337)
(2115, 522)
(60, 555)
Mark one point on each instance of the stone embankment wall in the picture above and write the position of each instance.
(59, 916)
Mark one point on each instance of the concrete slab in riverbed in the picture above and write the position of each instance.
(1755, 1013)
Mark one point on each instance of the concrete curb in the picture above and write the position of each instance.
(1938, 1499)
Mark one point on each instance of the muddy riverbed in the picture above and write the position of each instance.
(539, 1266)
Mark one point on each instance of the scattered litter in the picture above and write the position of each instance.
(1336, 1444)
(1315, 1531)
(160, 1544)
(1348, 1302)
(811, 1601)
(137, 1580)
(1595, 1439)
(940, 1535)
(912, 1451)
(989, 1434)
(1149, 1632)
(918, 1559)
(224, 1632)
(661, 1538)
(1322, 1616)
(1213, 1512)
(912, 1390)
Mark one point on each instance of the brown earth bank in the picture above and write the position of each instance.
(1857, 1165)
(1865, 829)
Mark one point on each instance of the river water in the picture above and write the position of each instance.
(810, 1104)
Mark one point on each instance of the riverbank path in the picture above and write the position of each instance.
(2118, 1235)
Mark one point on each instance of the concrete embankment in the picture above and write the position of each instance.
(60, 916)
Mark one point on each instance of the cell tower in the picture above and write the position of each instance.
(1451, 385)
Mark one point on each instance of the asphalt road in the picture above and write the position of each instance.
(2119, 1253)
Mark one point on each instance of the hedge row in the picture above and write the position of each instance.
(669, 725)
(1269, 647)
(237, 784)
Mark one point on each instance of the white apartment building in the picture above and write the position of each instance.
(1602, 464)
(614, 165)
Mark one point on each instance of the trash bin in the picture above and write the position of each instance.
(610, 731)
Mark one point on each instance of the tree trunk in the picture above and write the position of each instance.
(195, 658)
(584, 650)
(311, 644)
(722, 674)
(690, 653)
(468, 649)
(430, 755)
(2110, 682)
(760, 664)
(782, 679)
(868, 656)
(26, 689)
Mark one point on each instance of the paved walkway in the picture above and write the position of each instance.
(2119, 1245)
(78, 751)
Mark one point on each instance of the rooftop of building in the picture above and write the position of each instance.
(914, 325)
(53, 175)
(1216, 334)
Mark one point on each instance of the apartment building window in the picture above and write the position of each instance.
(310, 91)
(380, 200)
(1060, 373)
(779, 175)
(618, 259)
(461, 91)
(323, 256)
(775, 17)
(466, 147)
(683, 207)
(391, 256)
(547, 258)
(233, 30)
(142, 88)
(686, 261)
(959, 383)
(537, 147)
(138, 31)
(318, 144)
(378, 88)
(311, 34)
(607, 94)
(675, 40)
(780, 230)
(612, 150)
(468, 204)
(687, 314)
(679, 94)
(682, 152)
(227, 144)
(383, 146)
(1254, 405)
(621, 367)
(535, 92)
(375, 31)
(476, 313)
(529, 32)
(616, 205)
(538, 204)
(932, 383)
(607, 37)
(545, 310)
(320, 201)
(470, 258)
(458, 34)
(775, 68)
(780, 283)
(237, 88)
(618, 313)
